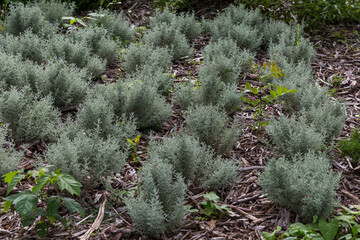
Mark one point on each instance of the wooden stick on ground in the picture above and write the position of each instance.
(97, 221)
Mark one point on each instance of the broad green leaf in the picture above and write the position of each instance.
(279, 90)
(40, 183)
(255, 90)
(13, 197)
(57, 217)
(9, 176)
(7, 205)
(273, 93)
(211, 196)
(81, 22)
(68, 182)
(284, 89)
(41, 212)
(26, 203)
(28, 219)
(271, 236)
(329, 229)
(15, 180)
(248, 86)
(42, 228)
(292, 91)
(73, 206)
(53, 205)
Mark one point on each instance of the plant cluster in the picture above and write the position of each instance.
(160, 203)
(305, 184)
(351, 147)
(341, 226)
(9, 157)
(36, 203)
(195, 162)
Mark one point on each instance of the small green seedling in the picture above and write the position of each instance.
(134, 145)
(211, 208)
(34, 203)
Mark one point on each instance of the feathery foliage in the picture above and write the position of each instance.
(184, 22)
(169, 36)
(9, 157)
(210, 125)
(144, 54)
(54, 10)
(294, 135)
(89, 158)
(28, 117)
(305, 185)
(351, 147)
(22, 18)
(160, 204)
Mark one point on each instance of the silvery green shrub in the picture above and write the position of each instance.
(239, 14)
(27, 45)
(195, 162)
(54, 10)
(28, 117)
(138, 56)
(305, 185)
(88, 158)
(160, 204)
(95, 66)
(291, 49)
(184, 22)
(294, 135)
(146, 105)
(169, 36)
(66, 84)
(115, 24)
(9, 157)
(210, 125)
(21, 18)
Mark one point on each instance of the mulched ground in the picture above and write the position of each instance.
(336, 66)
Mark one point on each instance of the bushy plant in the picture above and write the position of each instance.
(28, 117)
(294, 135)
(273, 29)
(67, 85)
(9, 157)
(210, 125)
(169, 36)
(98, 41)
(327, 118)
(15, 72)
(305, 185)
(160, 203)
(162, 81)
(27, 45)
(87, 157)
(148, 107)
(76, 52)
(195, 162)
(184, 22)
(118, 28)
(23, 17)
(138, 56)
(239, 14)
(351, 147)
(291, 49)
(95, 66)
(54, 10)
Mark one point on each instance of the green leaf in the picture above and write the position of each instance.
(329, 229)
(271, 236)
(40, 183)
(284, 89)
(68, 182)
(28, 219)
(26, 203)
(9, 176)
(292, 91)
(7, 205)
(73, 206)
(211, 196)
(14, 180)
(255, 90)
(42, 228)
(273, 93)
(279, 90)
(248, 86)
(53, 206)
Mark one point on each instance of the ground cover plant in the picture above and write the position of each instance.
(167, 121)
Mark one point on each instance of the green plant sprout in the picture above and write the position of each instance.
(134, 145)
(34, 203)
(70, 21)
(210, 207)
(342, 226)
(351, 147)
